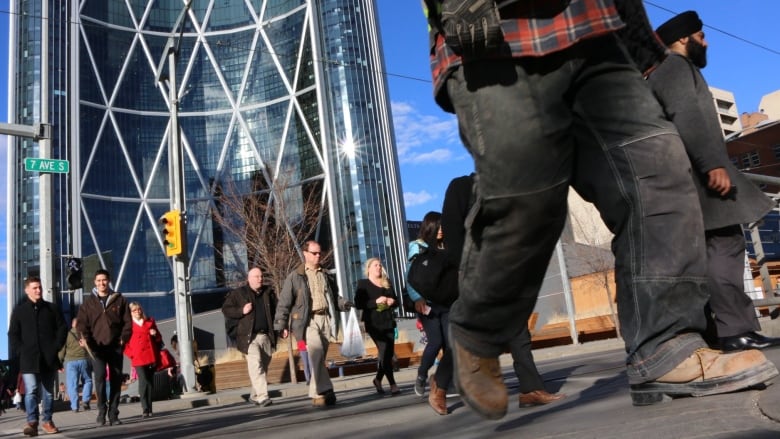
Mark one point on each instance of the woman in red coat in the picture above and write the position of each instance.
(143, 351)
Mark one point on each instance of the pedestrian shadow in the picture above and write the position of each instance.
(602, 388)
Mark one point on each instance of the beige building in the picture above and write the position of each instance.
(770, 105)
(726, 106)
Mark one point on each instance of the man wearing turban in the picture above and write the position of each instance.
(728, 199)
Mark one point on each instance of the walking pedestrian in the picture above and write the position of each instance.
(105, 323)
(547, 98)
(78, 367)
(143, 350)
(36, 332)
(375, 297)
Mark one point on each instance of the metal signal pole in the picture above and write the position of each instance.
(176, 180)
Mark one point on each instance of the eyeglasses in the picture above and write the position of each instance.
(313, 253)
(135, 310)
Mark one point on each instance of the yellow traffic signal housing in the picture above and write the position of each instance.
(171, 232)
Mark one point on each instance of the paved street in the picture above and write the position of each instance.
(592, 375)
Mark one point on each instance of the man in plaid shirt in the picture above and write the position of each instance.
(546, 98)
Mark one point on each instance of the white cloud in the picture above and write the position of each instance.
(435, 156)
(416, 199)
(416, 133)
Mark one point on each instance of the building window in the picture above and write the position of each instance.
(750, 159)
(776, 149)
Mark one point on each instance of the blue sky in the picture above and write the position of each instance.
(429, 149)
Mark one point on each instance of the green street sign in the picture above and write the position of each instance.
(46, 165)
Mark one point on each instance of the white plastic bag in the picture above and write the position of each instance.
(353, 340)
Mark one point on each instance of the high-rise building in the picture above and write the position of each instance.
(282, 101)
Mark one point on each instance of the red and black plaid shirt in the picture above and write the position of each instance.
(529, 35)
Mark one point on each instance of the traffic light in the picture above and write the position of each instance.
(74, 277)
(171, 232)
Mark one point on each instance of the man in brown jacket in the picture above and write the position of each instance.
(104, 321)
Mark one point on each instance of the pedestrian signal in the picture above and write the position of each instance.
(74, 276)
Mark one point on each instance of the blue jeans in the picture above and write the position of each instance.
(33, 383)
(585, 118)
(75, 370)
(435, 327)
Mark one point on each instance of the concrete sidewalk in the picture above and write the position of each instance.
(591, 374)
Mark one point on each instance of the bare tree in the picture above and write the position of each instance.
(269, 221)
(592, 248)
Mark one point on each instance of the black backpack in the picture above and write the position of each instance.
(433, 276)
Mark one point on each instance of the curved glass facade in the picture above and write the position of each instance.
(284, 92)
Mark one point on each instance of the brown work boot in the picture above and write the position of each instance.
(437, 398)
(31, 429)
(707, 372)
(318, 401)
(539, 397)
(479, 381)
(49, 427)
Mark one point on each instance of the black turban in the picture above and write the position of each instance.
(679, 26)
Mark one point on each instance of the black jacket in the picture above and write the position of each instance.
(365, 300)
(37, 332)
(233, 308)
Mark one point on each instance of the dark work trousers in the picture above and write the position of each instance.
(528, 376)
(385, 346)
(583, 117)
(435, 327)
(733, 309)
(145, 385)
(112, 358)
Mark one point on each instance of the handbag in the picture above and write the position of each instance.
(166, 360)
(353, 345)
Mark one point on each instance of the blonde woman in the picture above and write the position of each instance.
(143, 349)
(376, 298)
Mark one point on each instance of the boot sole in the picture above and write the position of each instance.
(654, 392)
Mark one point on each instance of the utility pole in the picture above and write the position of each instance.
(181, 287)
(46, 223)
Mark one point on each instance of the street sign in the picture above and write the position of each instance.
(46, 165)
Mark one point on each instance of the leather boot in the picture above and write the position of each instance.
(437, 398)
(707, 372)
(479, 381)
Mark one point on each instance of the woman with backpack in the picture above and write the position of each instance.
(434, 317)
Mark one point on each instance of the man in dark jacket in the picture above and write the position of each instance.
(104, 321)
(36, 332)
(254, 305)
(309, 306)
(728, 199)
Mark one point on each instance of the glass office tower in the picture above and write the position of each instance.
(277, 98)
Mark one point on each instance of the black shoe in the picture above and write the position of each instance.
(85, 406)
(748, 340)
(419, 386)
(101, 419)
(330, 397)
(114, 421)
